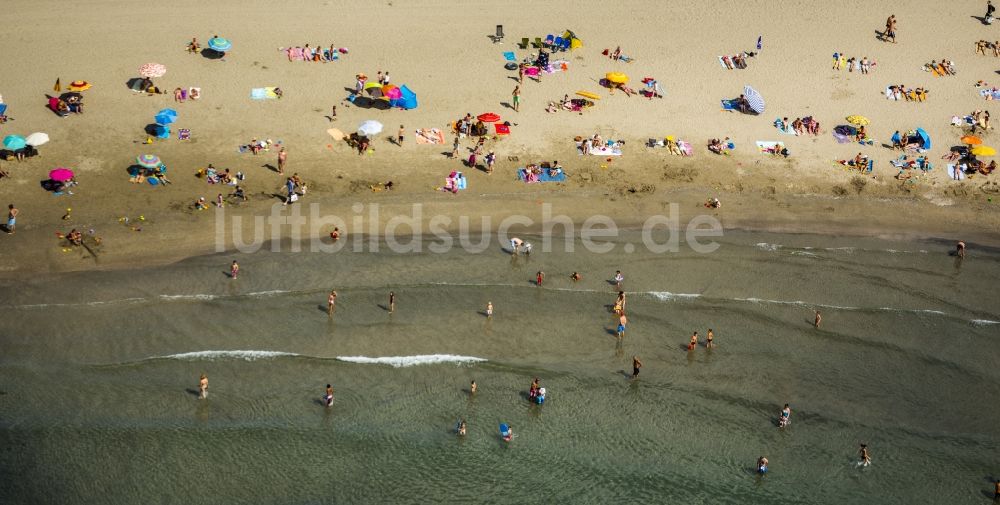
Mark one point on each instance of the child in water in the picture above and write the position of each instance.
(328, 398)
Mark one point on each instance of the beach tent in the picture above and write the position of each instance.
(574, 41)
(921, 138)
(407, 98)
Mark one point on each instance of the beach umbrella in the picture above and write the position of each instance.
(971, 140)
(36, 139)
(857, 120)
(219, 44)
(391, 91)
(14, 142)
(169, 112)
(161, 131)
(164, 119)
(58, 87)
(983, 151)
(754, 99)
(78, 86)
(374, 91)
(924, 138)
(61, 174)
(616, 77)
(148, 160)
(370, 128)
(152, 70)
(69, 95)
(489, 117)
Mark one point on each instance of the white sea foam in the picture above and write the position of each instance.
(268, 293)
(189, 297)
(667, 296)
(405, 361)
(983, 322)
(238, 354)
(768, 247)
(83, 304)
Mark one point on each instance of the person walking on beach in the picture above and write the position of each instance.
(333, 114)
(819, 319)
(328, 397)
(234, 270)
(399, 136)
(282, 158)
(516, 98)
(520, 74)
(636, 365)
(489, 310)
(619, 307)
(960, 249)
(454, 147)
(890, 29)
(622, 323)
(786, 416)
(203, 387)
(708, 339)
(12, 213)
(392, 301)
(331, 302)
(866, 459)
(491, 158)
(539, 277)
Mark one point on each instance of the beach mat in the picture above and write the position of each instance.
(768, 146)
(501, 129)
(429, 136)
(263, 93)
(543, 177)
(509, 56)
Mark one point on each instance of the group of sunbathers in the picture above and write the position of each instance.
(720, 146)
(317, 53)
(983, 45)
(533, 171)
(841, 61)
(946, 67)
(899, 91)
(736, 61)
(800, 126)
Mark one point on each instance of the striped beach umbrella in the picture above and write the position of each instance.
(78, 86)
(148, 160)
(152, 70)
(219, 44)
(754, 99)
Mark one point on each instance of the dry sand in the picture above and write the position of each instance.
(442, 51)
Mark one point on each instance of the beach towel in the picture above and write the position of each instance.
(956, 172)
(509, 56)
(789, 131)
(990, 94)
(522, 175)
(501, 129)
(263, 93)
(605, 151)
(769, 147)
(685, 147)
(532, 71)
(729, 105)
(194, 93)
(429, 136)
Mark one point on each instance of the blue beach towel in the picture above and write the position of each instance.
(729, 105)
(544, 177)
(509, 56)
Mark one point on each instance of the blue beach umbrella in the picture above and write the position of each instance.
(168, 112)
(219, 44)
(161, 131)
(14, 142)
(754, 99)
(164, 119)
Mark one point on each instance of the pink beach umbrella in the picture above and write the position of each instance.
(61, 174)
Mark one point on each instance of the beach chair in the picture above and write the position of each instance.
(499, 35)
(566, 44)
(537, 43)
(548, 39)
(871, 165)
(524, 43)
(557, 43)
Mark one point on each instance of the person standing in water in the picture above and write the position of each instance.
(786, 416)
(708, 339)
(819, 319)
(636, 365)
(234, 270)
(392, 301)
(960, 249)
(619, 278)
(331, 302)
(539, 277)
(461, 428)
(473, 387)
(489, 310)
(575, 277)
(328, 397)
(762, 465)
(620, 303)
(203, 387)
(282, 160)
(622, 323)
(694, 342)
(866, 459)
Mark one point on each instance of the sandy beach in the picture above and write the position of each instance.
(115, 333)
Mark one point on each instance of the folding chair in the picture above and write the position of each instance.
(566, 44)
(499, 36)
(537, 44)
(524, 43)
(557, 43)
(549, 39)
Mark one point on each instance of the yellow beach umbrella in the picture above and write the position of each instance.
(616, 77)
(858, 120)
(983, 151)
(78, 86)
(971, 140)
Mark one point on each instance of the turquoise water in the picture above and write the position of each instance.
(99, 373)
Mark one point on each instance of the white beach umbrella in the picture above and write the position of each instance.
(36, 139)
(370, 128)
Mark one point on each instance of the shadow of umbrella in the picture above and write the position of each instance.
(212, 54)
(362, 102)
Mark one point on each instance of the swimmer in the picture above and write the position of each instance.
(708, 339)
(819, 319)
(636, 365)
(527, 248)
(866, 459)
(335, 234)
(622, 322)
(234, 270)
(575, 277)
(539, 277)
(960, 249)
(786, 417)
(473, 388)
(328, 398)
(509, 434)
(619, 278)
(762, 465)
(694, 341)
(203, 387)
(331, 302)
(489, 310)
(515, 245)
(533, 390)
(461, 428)
(392, 301)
